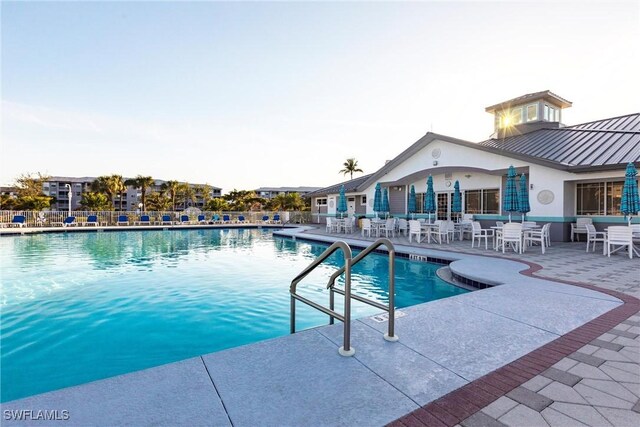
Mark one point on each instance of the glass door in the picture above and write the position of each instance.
(443, 200)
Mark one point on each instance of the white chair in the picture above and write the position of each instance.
(594, 236)
(403, 226)
(348, 225)
(451, 231)
(467, 217)
(466, 227)
(512, 234)
(578, 227)
(415, 230)
(478, 233)
(366, 226)
(528, 224)
(388, 227)
(442, 229)
(547, 235)
(332, 225)
(499, 224)
(621, 236)
(535, 236)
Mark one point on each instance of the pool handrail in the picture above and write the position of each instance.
(390, 335)
(346, 349)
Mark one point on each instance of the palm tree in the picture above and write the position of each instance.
(109, 185)
(117, 186)
(143, 183)
(350, 166)
(172, 188)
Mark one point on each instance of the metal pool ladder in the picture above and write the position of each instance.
(345, 318)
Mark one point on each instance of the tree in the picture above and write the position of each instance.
(287, 202)
(95, 201)
(350, 166)
(143, 183)
(7, 202)
(111, 185)
(157, 202)
(30, 194)
(243, 200)
(217, 205)
(204, 191)
(171, 187)
(186, 194)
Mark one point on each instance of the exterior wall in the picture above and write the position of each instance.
(360, 208)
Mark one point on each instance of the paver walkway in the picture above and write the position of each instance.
(585, 378)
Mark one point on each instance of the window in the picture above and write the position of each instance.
(551, 114)
(516, 116)
(321, 202)
(598, 198)
(532, 112)
(363, 200)
(486, 201)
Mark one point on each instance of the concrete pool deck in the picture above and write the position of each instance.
(301, 380)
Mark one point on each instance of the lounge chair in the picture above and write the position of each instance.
(184, 219)
(202, 219)
(17, 221)
(265, 219)
(216, 219)
(166, 220)
(276, 219)
(91, 220)
(144, 220)
(122, 220)
(226, 219)
(241, 219)
(69, 221)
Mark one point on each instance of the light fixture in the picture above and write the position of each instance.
(468, 176)
(435, 163)
(531, 186)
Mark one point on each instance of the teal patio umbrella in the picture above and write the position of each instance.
(510, 199)
(411, 205)
(377, 199)
(630, 202)
(342, 202)
(385, 202)
(523, 197)
(456, 204)
(430, 198)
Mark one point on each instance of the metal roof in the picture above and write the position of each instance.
(545, 94)
(289, 189)
(349, 186)
(606, 142)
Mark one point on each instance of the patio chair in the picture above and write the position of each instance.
(547, 234)
(92, 220)
(477, 232)
(366, 227)
(594, 236)
(226, 219)
(216, 219)
(388, 227)
(184, 220)
(403, 226)
(276, 219)
(415, 230)
(621, 236)
(512, 234)
(202, 219)
(166, 220)
(122, 220)
(528, 224)
(499, 224)
(536, 236)
(348, 225)
(578, 227)
(332, 225)
(144, 220)
(265, 219)
(241, 219)
(442, 229)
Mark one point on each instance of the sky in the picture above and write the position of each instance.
(249, 94)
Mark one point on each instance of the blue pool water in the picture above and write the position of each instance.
(77, 307)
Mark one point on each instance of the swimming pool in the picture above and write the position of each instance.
(78, 307)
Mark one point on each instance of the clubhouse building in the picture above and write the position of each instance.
(572, 171)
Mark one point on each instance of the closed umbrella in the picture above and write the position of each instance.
(377, 199)
(456, 204)
(342, 202)
(411, 208)
(510, 199)
(523, 197)
(430, 198)
(630, 202)
(385, 202)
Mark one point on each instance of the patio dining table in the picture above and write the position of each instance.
(375, 225)
(498, 229)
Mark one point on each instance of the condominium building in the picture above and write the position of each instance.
(60, 187)
(271, 192)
